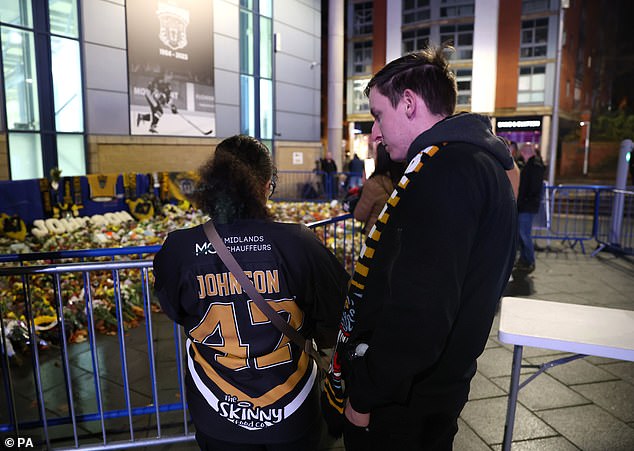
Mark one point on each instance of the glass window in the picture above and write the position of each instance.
(416, 11)
(361, 18)
(20, 79)
(362, 57)
(531, 85)
(16, 12)
(266, 109)
(246, 42)
(70, 154)
(534, 38)
(63, 17)
(458, 8)
(461, 37)
(414, 40)
(26, 156)
(256, 69)
(359, 102)
(463, 82)
(247, 102)
(56, 102)
(67, 87)
(266, 8)
(266, 47)
(531, 6)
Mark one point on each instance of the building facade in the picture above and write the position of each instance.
(505, 60)
(109, 86)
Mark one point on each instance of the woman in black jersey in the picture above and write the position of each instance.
(248, 386)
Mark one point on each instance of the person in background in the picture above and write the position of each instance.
(331, 182)
(249, 388)
(377, 188)
(517, 155)
(427, 284)
(158, 96)
(514, 173)
(355, 168)
(528, 201)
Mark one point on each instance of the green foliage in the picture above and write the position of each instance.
(613, 126)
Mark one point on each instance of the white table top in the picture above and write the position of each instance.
(580, 329)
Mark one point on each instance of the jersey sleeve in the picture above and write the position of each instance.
(167, 279)
(325, 289)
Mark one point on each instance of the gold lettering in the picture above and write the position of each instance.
(234, 285)
(210, 284)
(272, 282)
(282, 352)
(259, 280)
(201, 287)
(221, 317)
(222, 283)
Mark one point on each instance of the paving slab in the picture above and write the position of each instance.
(467, 440)
(487, 417)
(543, 392)
(622, 370)
(496, 362)
(590, 428)
(482, 387)
(617, 397)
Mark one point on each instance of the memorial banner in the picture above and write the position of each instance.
(170, 61)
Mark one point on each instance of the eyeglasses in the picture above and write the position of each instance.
(272, 185)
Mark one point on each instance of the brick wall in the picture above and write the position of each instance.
(602, 159)
(119, 154)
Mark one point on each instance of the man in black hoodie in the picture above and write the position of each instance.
(529, 198)
(433, 268)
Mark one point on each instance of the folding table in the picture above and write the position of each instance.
(580, 329)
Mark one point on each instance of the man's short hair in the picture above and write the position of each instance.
(426, 72)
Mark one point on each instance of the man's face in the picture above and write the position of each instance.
(391, 125)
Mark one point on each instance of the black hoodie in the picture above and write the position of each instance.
(437, 270)
(467, 128)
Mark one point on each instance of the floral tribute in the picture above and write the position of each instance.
(93, 235)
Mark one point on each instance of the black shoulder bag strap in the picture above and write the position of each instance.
(232, 265)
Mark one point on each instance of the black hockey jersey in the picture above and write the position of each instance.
(246, 382)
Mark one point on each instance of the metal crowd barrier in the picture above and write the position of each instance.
(314, 186)
(88, 397)
(568, 213)
(578, 214)
(615, 221)
(111, 391)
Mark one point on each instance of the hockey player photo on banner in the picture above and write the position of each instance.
(170, 61)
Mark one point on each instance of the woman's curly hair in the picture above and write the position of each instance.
(231, 183)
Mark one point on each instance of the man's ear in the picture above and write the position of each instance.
(409, 99)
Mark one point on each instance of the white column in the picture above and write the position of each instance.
(393, 22)
(335, 79)
(554, 134)
(545, 139)
(485, 51)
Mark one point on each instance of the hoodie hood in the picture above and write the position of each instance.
(467, 128)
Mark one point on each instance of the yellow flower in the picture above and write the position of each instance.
(44, 319)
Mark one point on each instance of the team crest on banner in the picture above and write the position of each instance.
(170, 63)
(173, 25)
